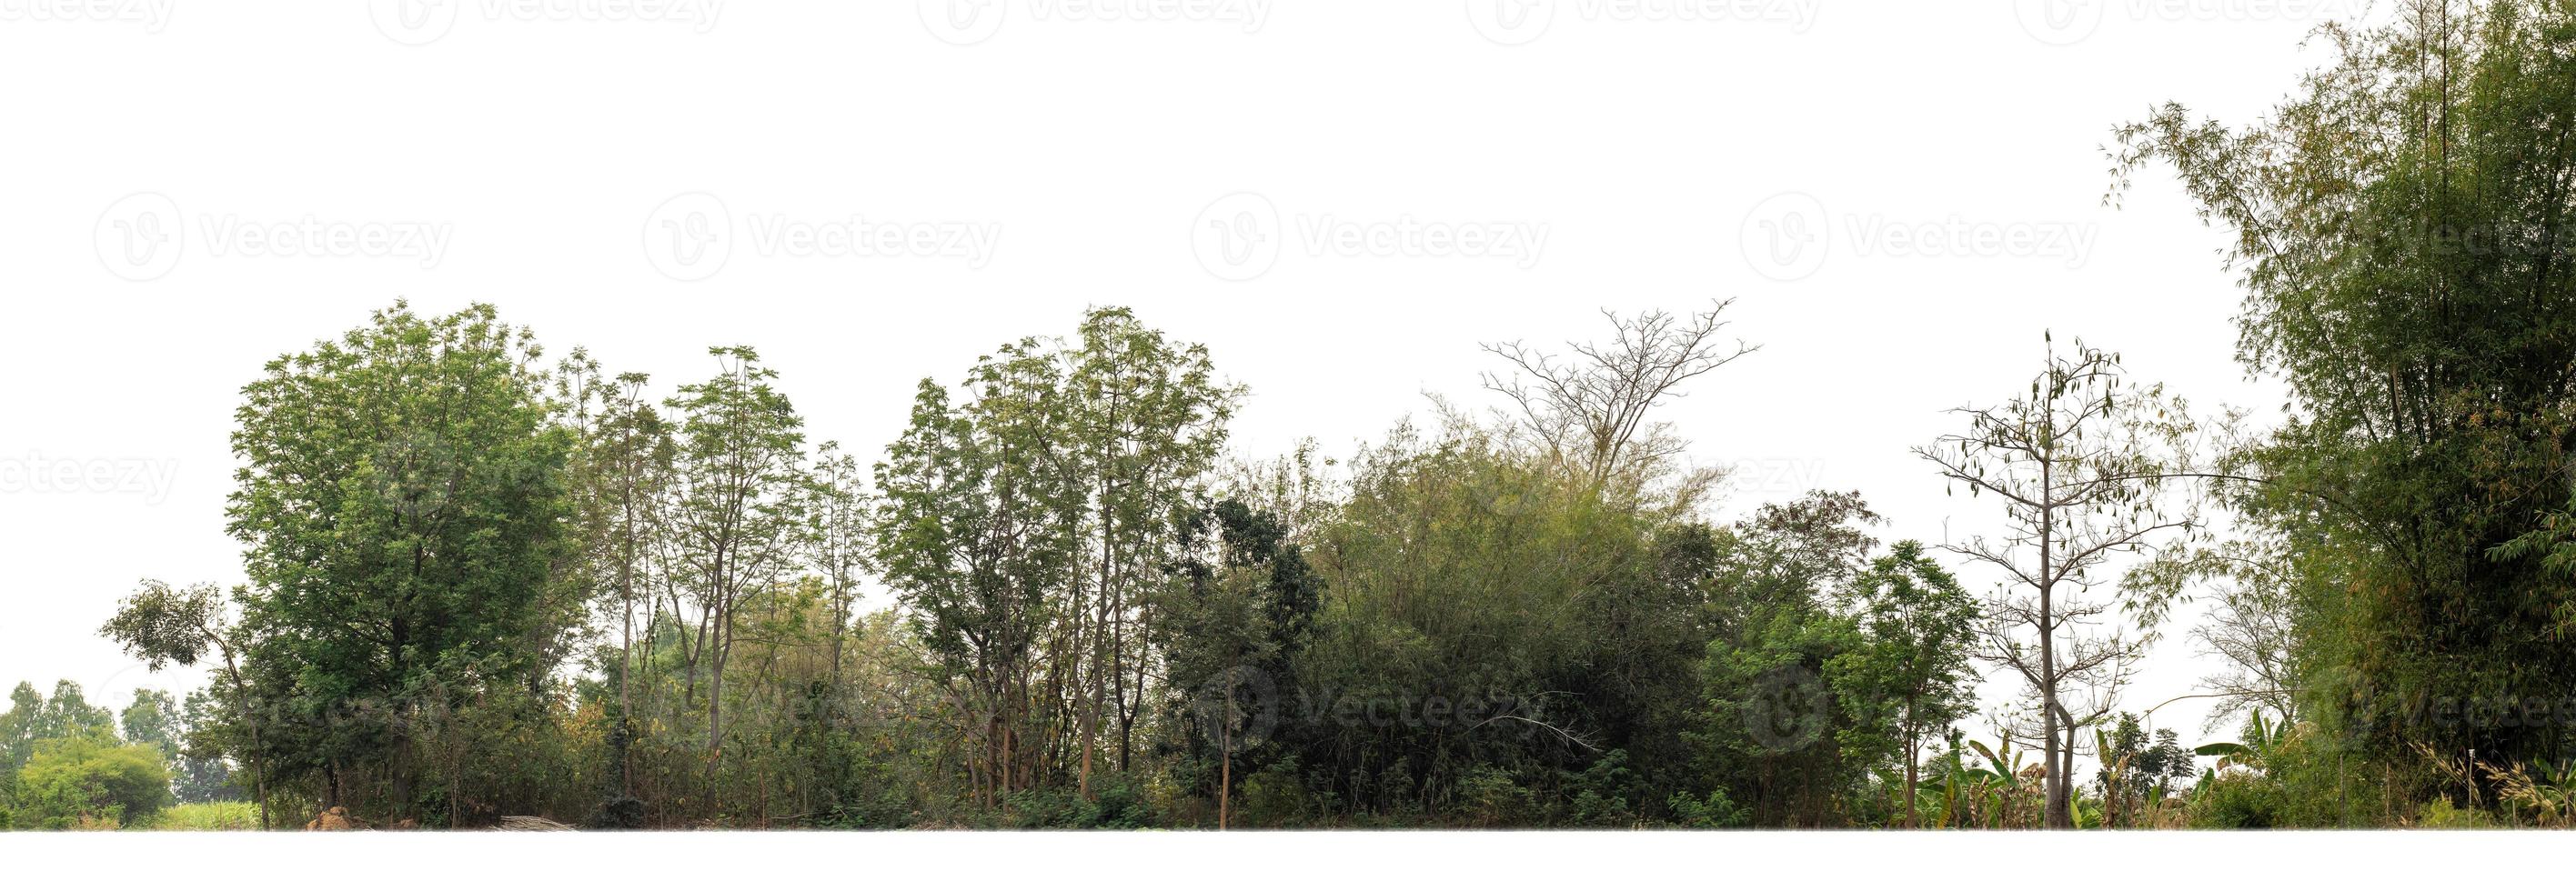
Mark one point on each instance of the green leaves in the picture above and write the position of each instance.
(2401, 221)
(402, 506)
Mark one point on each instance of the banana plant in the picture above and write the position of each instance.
(1963, 791)
(2263, 739)
(2115, 773)
(1994, 789)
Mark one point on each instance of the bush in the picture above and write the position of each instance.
(1714, 812)
(211, 816)
(2442, 815)
(2239, 799)
(91, 782)
(1489, 796)
(1605, 794)
(1275, 796)
(1116, 804)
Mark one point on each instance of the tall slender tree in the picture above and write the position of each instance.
(2080, 465)
(736, 477)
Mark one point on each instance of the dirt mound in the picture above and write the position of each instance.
(335, 820)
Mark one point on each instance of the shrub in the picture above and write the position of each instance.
(1275, 796)
(1605, 793)
(91, 782)
(2442, 815)
(1714, 812)
(1115, 804)
(2238, 799)
(211, 816)
(1488, 796)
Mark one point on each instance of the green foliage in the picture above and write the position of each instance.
(90, 781)
(1769, 732)
(402, 508)
(1116, 805)
(154, 720)
(1909, 679)
(2138, 772)
(1713, 811)
(2442, 814)
(1490, 796)
(200, 774)
(210, 816)
(2238, 800)
(2402, 230)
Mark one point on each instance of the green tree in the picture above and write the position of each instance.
(1231, 633)
(622, 471)
(164, 626)
(735, 480)
(837, 538)
(1910, 677)
(153, 719)
(2137, 769)
(970, 534)
(17, 737)
(2401, 223)
(1145, 421)
(402, 507)
(201, 774)
(1766, 735)
(91, 780)
(68, 715)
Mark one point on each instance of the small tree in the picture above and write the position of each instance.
(162, 626)
(1909, 680)
(1234, 627)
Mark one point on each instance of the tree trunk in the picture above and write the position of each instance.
(2055, 812)
(715, 692)
(1225, 774)
(1910, 753)
(250, 716)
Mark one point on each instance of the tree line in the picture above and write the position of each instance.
(486, 582)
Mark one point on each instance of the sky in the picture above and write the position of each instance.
(1340, 199)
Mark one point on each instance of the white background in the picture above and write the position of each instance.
(1670, 155)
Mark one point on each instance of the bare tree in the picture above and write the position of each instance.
(1590, 412)
(2081, 464)
(2248, 626)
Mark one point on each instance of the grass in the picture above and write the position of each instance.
(216, 816)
